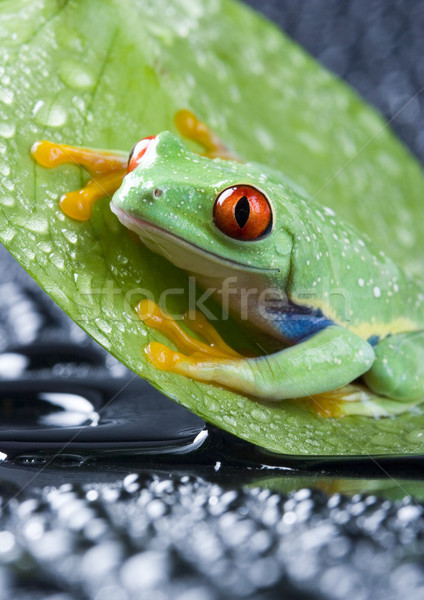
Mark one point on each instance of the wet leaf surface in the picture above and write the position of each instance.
(104, 74)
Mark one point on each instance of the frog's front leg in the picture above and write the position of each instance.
(398, 370)
(329, 359)
(107, 170)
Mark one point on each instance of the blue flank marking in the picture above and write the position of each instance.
(373, 340)
(296, 322)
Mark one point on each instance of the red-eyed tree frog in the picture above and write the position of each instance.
(335, 307)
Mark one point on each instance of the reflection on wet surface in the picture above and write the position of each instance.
(122, 421)
(109, 487)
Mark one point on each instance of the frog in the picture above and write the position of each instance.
(341, 321)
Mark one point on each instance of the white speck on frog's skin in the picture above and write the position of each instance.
(376, 291)
(361, 282)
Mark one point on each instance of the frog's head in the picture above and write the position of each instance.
(205, 215)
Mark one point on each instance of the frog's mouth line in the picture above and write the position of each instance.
(141, 228)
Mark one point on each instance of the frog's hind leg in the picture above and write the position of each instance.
(398, 370)
(355, 400)
(394, 384)
(306, 373)
(107, 170)
(302, 370)
(194, 129)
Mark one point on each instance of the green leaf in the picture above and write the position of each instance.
(104, 73)
(389, 488)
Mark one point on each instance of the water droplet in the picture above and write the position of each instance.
(57, 261)
(213, 406)
(329, 211)
(50, 115)
(7, 200)
(416, 435)
(79, 103)
(70, 39)
(311, 141)
(389, 425)
(103, 326)
(7, 235)
(260, 415)
(45, 247)
(35, 223)
(6, 96)
(8, 184)
(7, 130)
(37, 107)
(406, 236)
(264, 137)
(71, 236)
(76, 75)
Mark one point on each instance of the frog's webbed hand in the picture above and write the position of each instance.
(193, 129)
(107, 170)
(329, 359)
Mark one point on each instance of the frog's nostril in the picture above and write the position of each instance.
(157, 193)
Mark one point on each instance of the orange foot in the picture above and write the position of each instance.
(107, 170)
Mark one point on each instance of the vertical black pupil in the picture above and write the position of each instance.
(131, 153)
(242, 211)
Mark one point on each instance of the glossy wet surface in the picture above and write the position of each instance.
(111, 491)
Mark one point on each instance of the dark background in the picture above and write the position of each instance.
(376, 45)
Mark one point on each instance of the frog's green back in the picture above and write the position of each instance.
(104, 73)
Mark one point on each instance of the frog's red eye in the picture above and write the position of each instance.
(243, 213)
(137, 152)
